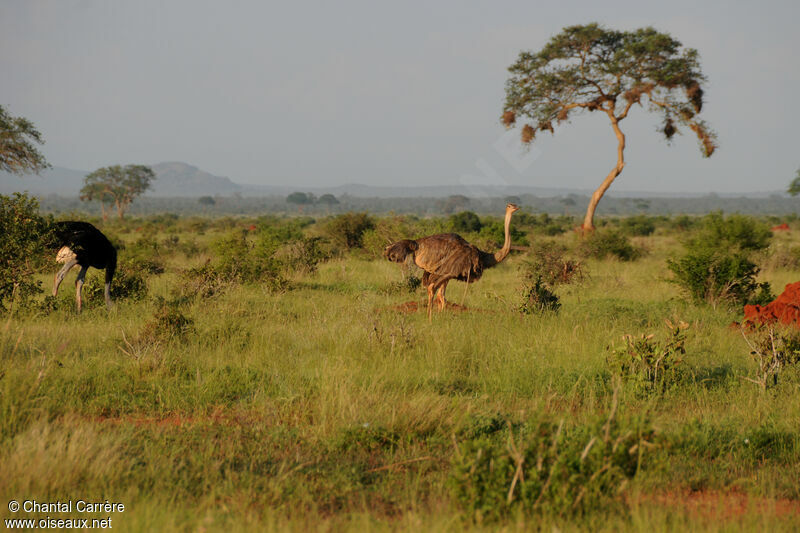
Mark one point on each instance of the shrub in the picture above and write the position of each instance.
(547, 261)
(649, 363)
(537, 298)
(493, 232)
(410, 283)
(129, 284)
(347, 231)
(774, 352)
(23, 234)
(602, 244)
(717, 277)
(548, 468)
(639, 225)
(303, 255)
(465, 222)
(716, 266)
(239, 260)
(168, 322)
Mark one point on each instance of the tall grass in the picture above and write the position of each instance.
(325, 407)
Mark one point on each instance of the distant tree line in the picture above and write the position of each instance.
(307, 198)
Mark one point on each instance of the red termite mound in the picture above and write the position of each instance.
(781, 227)
(784, 309)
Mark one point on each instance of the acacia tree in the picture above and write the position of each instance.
(794, 186)
(18, 154)
(118, 185)
(591, 68)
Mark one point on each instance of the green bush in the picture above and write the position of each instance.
(716, 266)
(168, 323)
(465, 222)
(547, 468)
(240, 259)
(639, 225)
(347, 231)
(23, 235)
(130, 283)
(547, 261)
(648, 363)
(537, 298)
(775, 352)
(603, 243)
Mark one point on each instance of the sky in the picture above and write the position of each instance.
(385, 93)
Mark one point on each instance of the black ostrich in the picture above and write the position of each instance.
(82, 244)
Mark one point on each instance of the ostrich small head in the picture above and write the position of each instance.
(510, 208)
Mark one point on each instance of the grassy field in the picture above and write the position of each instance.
(320, 405)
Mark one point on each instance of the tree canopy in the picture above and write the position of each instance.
(794, 186)
(300, 198)
(18, 153)
(118, 185)
(591, 68)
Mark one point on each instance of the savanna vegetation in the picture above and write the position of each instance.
(269, 373)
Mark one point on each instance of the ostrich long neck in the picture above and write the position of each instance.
(503, 252)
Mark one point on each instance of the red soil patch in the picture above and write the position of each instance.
(721, 505)
(780, 227)
(251, 227)
(784, 309)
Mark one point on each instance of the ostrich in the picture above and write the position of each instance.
(448, 256)
(84, 245)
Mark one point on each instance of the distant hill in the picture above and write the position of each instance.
(172, 179)
(181, 179)
(177, 179)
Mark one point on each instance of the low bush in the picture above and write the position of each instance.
(465, 222)
(538, 298)
(716, 266)
(775, 352)
(638, 226)
(347, 231)
(547, 468)
(609, 243)
(648, 363)
(23, 233)
(130, 283)
(548, 261)
(168, 323)
(409, 284)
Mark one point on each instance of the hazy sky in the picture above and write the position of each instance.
(383, 93)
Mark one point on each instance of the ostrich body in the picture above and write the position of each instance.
(82, 244)
(448, 256)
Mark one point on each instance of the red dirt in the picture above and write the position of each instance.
(784, 309)
(780, 227)
(723, 505)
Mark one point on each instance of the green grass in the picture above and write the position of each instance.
(324, 408)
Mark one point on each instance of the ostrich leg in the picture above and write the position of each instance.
(79, 285)
(107, 293)
(430, 300)
(440, 295)
(59, 277)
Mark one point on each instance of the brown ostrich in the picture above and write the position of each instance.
(448, 256)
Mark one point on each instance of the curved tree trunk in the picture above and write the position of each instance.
(588, 221)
